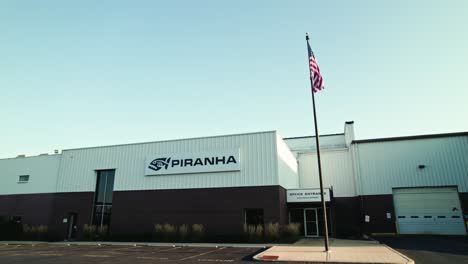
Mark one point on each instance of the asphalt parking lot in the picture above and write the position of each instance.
(74, 254)
(430, 249)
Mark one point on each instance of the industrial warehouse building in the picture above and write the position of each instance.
(406, 185)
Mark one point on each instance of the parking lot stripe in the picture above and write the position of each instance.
(218, 249)
(97, 256)
(50, 254)
(216, 260)
(169, 249)
(154, 258)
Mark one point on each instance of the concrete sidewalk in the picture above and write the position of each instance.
(341, 251)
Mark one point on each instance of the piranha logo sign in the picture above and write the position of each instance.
(159, 163)
(166, 163)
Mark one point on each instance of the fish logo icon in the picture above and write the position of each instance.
(159, 163)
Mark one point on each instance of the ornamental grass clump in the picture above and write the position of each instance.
(258, 235)
(272, 231)
(42, 231)
(27, 232)
(254, 233)
(32, 232)
(89, 232)
(183, 232)
(158, 232)
(198, 232)
(292, 231)
(103, 232)
(169, 232)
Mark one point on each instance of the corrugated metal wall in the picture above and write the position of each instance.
(337, 170)
(287, 166)
(42, 171)
(366, 169)
(380, 166)
(257, 152)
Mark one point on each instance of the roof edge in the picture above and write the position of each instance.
(441, 135)
(32, 156)
(172, 140)
(326, 135)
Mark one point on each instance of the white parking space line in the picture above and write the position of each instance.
(152, 258)
(169, 249)
(198, 255)
(215, 260)
(97, 256)
(50, 254)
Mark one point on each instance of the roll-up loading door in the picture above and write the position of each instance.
(428, 211)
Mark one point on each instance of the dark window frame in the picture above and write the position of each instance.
(258, 219)
(23, 178)
(104, 220)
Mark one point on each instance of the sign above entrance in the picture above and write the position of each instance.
(182, 163)
(307, 195)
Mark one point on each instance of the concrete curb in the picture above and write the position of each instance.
(409, 261)
(33, 243)
(110, 243)
(257, 258)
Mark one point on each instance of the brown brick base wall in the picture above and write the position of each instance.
(220, 210)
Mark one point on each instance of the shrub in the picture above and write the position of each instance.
(198, 232)
(272, 231)
(183, 232)
(89, 232)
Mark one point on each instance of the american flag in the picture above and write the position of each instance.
(317, 80)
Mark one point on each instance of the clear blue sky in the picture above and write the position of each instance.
(86, 73)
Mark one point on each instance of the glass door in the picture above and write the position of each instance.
(72, 220)
(310, 222)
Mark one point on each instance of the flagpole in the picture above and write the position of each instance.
(318, 155)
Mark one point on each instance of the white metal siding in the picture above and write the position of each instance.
(337, 169)
(257, 152)
(429, 211)
(382, 166)
(287, 166)
(42, 171)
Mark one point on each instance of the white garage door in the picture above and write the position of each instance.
(428, 211)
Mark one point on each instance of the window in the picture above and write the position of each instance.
(103, 197)
(253, 216)
(23, 178)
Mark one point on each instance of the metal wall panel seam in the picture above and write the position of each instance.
(58, 173)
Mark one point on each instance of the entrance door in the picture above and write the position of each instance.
(71, 231)
(310, 223)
